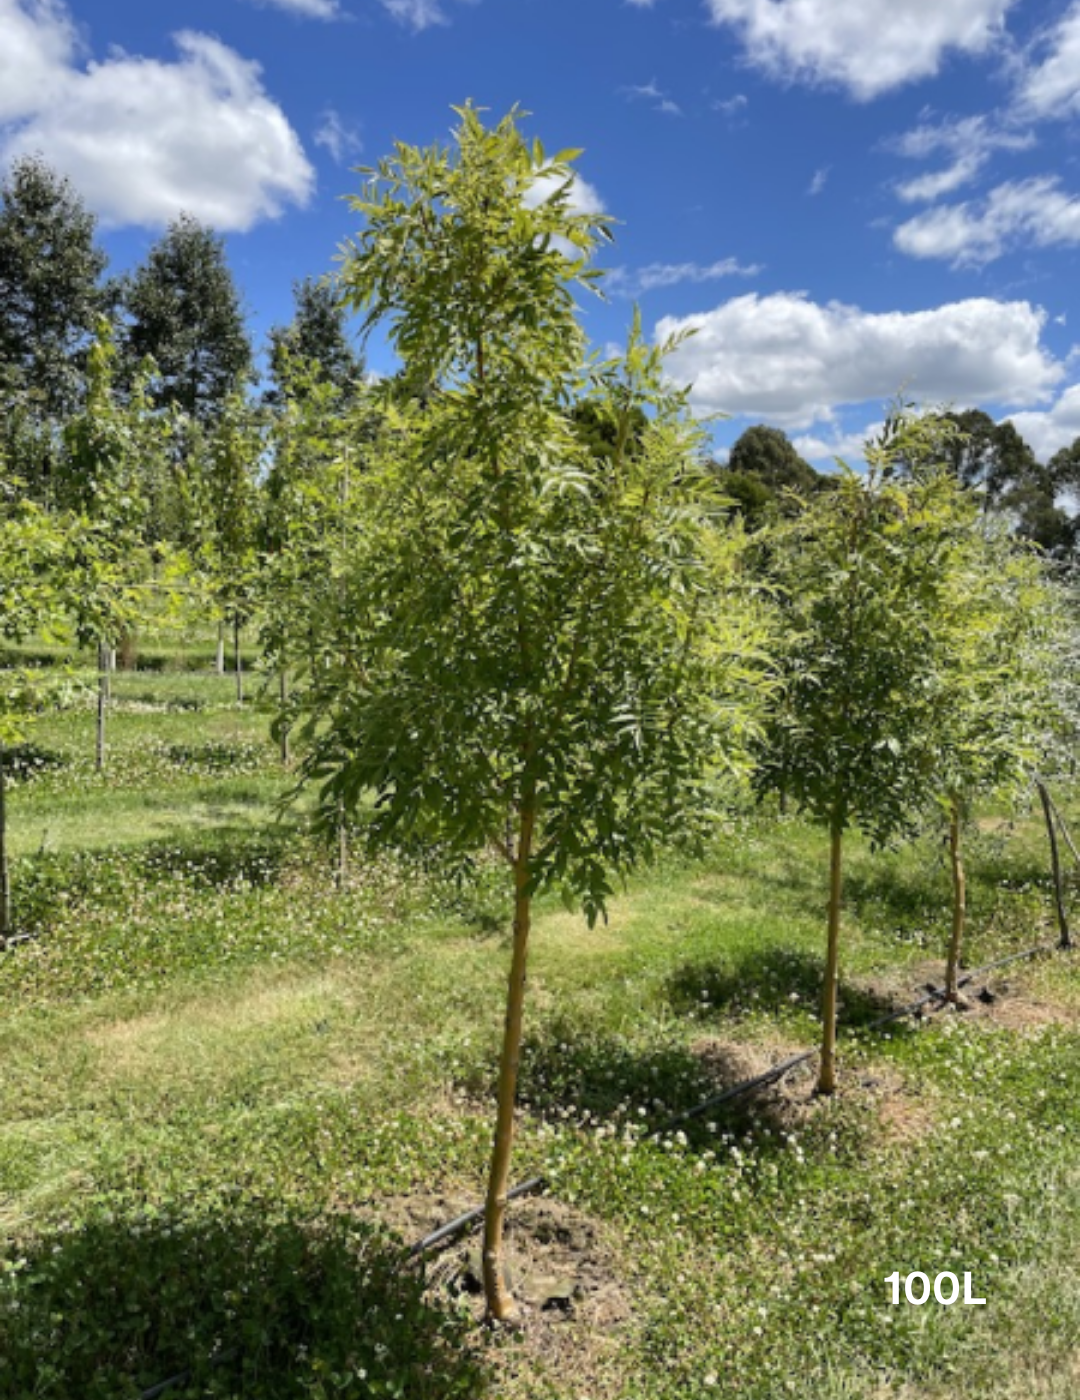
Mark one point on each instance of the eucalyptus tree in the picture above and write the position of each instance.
(316, 336)
(867, 576)
(50, 297)
(183, 310)
(529, 651)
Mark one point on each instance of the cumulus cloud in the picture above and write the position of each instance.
(1047, 430)
(1049, 84)
(584, 198)
(868, 47)
(848, 447)
(144, 140)
(794, 361)
(655, 275)
(1035, 212)
(36, 53)
(966, 143)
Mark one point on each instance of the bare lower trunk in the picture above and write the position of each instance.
(500, 1304)
(102, 705)
(283, 696)
(959, 908)
(5, 883)
(238, 663)
(827, 1073)
(219, 661)
(341, 875)
(1055, 864)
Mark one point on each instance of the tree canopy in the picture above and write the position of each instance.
(183, 310)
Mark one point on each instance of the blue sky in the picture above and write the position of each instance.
(846, 198)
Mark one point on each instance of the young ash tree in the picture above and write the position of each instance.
(529, 651)
(1000, 701)
(33, 599)
(107, 447)
(867, 576)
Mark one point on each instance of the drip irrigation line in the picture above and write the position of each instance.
(182, 1377)
(462, 1222)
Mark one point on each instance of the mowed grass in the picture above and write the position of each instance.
(231, 1087)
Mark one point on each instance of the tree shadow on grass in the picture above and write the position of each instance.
(239, 1301)
(767, 980)
(49, 884)
(580, 1075)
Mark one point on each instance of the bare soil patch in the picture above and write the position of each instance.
(563, 1269)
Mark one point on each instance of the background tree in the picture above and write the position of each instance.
(223, 464)
(316, 335)
(107, 446)
(867, 575)
(50, 298)
(761, 472)
(999, 699)
(34, 598)
(183, 311)
(526, 650)
(987, 457)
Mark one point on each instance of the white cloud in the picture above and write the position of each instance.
(36, 52)
(144, 140)
(731, 106)
(864, 46)
(794, 361)
(1049, 84)
(417, 14)
(967, 143)
(1034, 212)
(817, 184)
(314, 9)
(848, 447)
(1047, 430)
(650, 92)
(584, 198)
(654, 275)
(337, 136)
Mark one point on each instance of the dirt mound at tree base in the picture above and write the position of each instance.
(563, 1271)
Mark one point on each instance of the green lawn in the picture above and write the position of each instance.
(232, 1090)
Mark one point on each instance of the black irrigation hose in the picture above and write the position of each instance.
(735, 1091)
(462, 1222)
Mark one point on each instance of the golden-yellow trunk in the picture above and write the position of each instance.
(959, 908)
(500, 1303)
(827, 1073)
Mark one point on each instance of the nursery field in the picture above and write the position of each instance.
(239, 1083)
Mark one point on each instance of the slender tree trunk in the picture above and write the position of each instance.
(283, 696)
(827, 1073)
(1055, 864)
(238, 664)
(102, 704)
(500, 1304)
(341, 874)
(219, 663)
(959, 908)
(5, 881)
